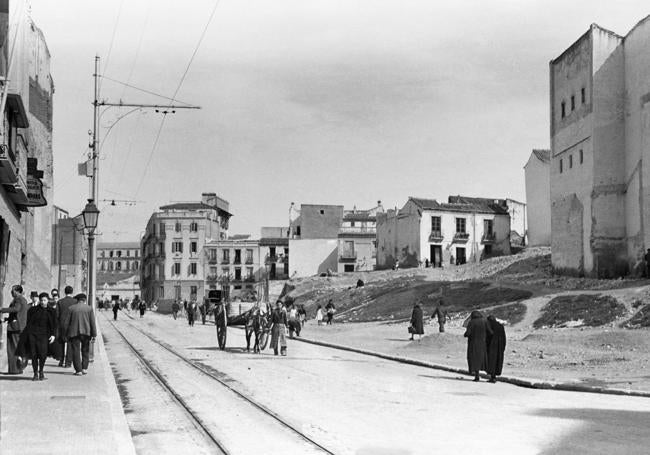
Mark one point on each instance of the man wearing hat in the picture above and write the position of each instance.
(80, 329)
(15, 324)
(64, 308)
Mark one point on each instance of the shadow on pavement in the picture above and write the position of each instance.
(601, 431)
(16, 377)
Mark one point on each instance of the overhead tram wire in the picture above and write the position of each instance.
(110, 47)
(180, 84)
(149, 92)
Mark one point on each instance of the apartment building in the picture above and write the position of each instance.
(234, 266)
(357, 240)
(274, 251)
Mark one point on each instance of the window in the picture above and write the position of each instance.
(110, 254)
(193, 290)
(352, 224)
(102, 267)
(460, 225)
(583, 95)
(298, 231)
(286, 251)
(177, 227)
(225, 256)
(581, 155)
(162, 228)
(237, 256)
(249, 273)
(561, 169)
(176, 268)
(488, 226)
(136, 265)
(177, 292)
(249, 256)
(119, 253)
(194, 226)
(110, 266)
(161, 292)
(213, 254)
(127, 266)
(101, 254)
(570, 161)
(435, 224)
(128, 253)
(563, 107)
(177, 247)
(225, 272)
(193, 268)
(322, 212)
(237, 273)
(213, 271)
(193, 247)
(573, 102)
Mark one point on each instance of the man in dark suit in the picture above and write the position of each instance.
(64, 309)
(15, 324)
(80, 329)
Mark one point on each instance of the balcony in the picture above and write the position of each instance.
(9, 166)
(249, 279)
(348, 256)
(488, 237)
(249, 260)
(357, 230)
(461, 237)
(212, 260)
(212, 278)
(225, 260)
(436, 237)
(237, 261)
(272, 258)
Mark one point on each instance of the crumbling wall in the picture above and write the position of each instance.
(567, 253)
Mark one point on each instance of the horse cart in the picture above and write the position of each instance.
(247, 314)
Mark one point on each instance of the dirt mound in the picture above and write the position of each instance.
(640, 319)
(580, 310)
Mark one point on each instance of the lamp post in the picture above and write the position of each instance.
(90, 216)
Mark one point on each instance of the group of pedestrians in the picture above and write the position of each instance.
(486, 337)
(62, 329)
(330, 309)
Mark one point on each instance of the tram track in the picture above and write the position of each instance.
(206, 372)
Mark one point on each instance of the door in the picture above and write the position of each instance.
(460, 256)
(435, 256)
(272, 274)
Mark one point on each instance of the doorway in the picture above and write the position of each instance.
(435, 255)
(460, 256)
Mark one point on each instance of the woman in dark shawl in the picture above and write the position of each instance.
(417, 321)
(496, 345)
(476, 333)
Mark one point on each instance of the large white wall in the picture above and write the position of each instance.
(312, 256)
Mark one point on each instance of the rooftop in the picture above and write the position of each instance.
(464, 204)
(194, 206)
(118, 245)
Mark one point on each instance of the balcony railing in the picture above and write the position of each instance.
(436, 236)
(8, 165)
(249, 279)
(212, 278)
(346, 256)
(461, 237)
(225, 260)
(249, 260)
(237, 261)
(357, 230)
(488, 237)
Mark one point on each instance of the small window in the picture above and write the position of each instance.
(573, 102)
(128, 253)
(570, 161)
(177, 227)
(563, 107)
(161, 292)
(193, 268)
(561, 168)
(194, 226)
(193, 291)
(176, 268)
(177, 247)
(583, 95)
(460, 225)
(435, 224)
(322, 212)
(581, 154)
(193, 247)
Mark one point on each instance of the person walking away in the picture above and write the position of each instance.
(175, 309)
(496, 346)
(116, 308)
(80, 329)
(142, 307)
(319, 315)
(16, 321)
(278, 327)
(54, 349)
(39, 332)
(476, 334)
(330, 308)
(417, 321)
(191, 312)
(440, 311)
(65, 347)
(203, 310)
(294, 321)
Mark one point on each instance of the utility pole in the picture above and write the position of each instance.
(94, 178)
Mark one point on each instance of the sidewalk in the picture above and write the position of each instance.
(65, 414)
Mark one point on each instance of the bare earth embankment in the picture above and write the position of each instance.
(565, 329)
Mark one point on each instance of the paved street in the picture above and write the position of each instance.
(353, 403)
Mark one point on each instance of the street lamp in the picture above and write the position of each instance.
(90, 216)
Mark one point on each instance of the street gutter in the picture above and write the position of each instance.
(521, 382)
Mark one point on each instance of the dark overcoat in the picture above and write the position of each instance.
(496, 346)
(417, 321)
(476, 334)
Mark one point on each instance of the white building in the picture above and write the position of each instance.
(538, 197)
(424, 230)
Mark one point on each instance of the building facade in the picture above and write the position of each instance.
(235, 267)
(69, 252)
(599, 160)
(26, 100)
(357, 240)
(173, 246)
(459, 231)
(118, 270)
(538, 197)
(274, 252)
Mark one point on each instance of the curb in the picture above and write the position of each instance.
(520, 382)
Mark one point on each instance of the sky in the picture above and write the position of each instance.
(309, 101)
